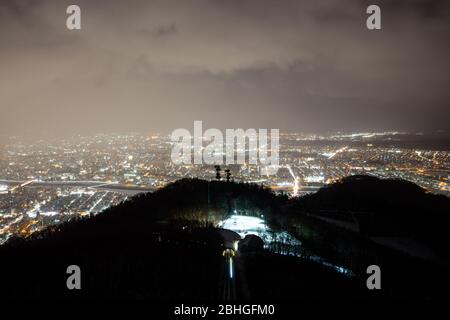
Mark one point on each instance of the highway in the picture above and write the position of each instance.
(99, 185)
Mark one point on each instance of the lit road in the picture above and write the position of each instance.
(331, 156)
(99, 185)
(229, 282)
(296, 181)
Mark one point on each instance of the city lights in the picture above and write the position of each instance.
(47, 183)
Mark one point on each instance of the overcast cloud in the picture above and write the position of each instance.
(153, 66)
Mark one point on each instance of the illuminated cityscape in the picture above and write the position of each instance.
(49, 182)
(225, 157)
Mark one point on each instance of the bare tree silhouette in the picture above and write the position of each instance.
(228, 174)
(218, 174)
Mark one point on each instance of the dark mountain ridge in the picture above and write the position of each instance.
(164, 245)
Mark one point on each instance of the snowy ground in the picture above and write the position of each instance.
(283, 241)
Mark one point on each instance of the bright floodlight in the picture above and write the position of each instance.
(244, 225)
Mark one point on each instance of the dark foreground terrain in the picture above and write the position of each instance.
(165, 246)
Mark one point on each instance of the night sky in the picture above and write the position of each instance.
(154, 66)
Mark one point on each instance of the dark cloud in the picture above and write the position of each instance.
(166, 30)
(158, 65)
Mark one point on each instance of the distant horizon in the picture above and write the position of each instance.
(282, 132)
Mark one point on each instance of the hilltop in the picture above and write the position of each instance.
(165, 245)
